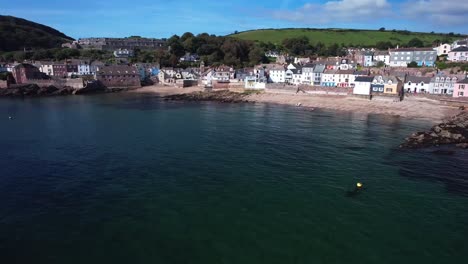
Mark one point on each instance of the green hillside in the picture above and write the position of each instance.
(345, 36)
(17, 34)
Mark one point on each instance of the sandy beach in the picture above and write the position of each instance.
(414, 108)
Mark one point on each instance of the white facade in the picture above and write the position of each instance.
(47, 69)
(385, 58)
(278, 75)
(84, 69)
(416, 87)
(443, 49)
(458, 54)
(362, 88)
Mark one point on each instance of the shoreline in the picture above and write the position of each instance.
(410, 108)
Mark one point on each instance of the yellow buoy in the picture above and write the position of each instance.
(359, 185)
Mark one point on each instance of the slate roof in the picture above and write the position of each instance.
(463, 81)
(319, 68)
(417, 79)
(463, 48)
(364, 79)
(118, 70)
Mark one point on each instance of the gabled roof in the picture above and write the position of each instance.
(319, 68)
(364, 79)
(417, 79)
(463, 81)
(462, 48)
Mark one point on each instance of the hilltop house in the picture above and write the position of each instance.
(416, 84)
(443, 49)
(422, 56)
(461, 88)
(382, 56)
(458, 54)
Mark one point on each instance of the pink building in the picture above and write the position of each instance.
(461, 88)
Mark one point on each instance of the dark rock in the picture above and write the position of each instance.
(443, 152)
(462, 145)
(453, 131)
(217, 96)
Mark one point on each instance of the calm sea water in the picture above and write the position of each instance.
(132, 179)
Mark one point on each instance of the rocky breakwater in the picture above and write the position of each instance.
(33, 90)
(452, 132)
(216, 96)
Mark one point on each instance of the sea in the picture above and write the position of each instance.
(131, 178)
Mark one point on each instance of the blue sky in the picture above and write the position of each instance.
(156, 18)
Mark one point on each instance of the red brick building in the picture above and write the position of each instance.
(119, 76)
(60, 69)
(24, 72)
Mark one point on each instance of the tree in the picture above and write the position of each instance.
(383, 45)
(185, 36)
(415, 43)
(297, 46)
(380, 64)
(412, 64)
(256, 56)
(382, 29)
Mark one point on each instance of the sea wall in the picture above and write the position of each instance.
(73, 83)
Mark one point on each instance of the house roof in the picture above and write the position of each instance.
(118, 69)
(411, 49)
(463, 81)
(417, 79)
(364, 79)
(330, 72)
(381, 53)
(361, 73)
(319, 68)
(462, 48)
(25, 65)
(345, 71)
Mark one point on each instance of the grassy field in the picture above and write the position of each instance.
(339, 36)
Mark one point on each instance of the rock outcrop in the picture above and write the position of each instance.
(453, 131)
(217, 96)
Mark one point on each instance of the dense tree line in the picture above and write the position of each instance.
(20, 34)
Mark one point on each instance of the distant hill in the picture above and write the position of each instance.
(353, 37)
(17, 34)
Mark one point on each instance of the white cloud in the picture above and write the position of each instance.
(337, 11)
(440, 13)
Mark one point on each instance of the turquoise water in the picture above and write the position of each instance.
(132, 179)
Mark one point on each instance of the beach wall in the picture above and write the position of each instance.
(73, 83)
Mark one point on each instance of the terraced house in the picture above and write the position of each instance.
(422, 56)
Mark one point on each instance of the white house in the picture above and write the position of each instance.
(308, 74)
(297, 76)
(318, 71)
(329, 78)
(443, 49)
(47, 68)
(84, 68)
(382, 56)
(278, 74)
(362, 85)
(415, 84)
(458, 54)
(443, 84)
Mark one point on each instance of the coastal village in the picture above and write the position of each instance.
(367, 73)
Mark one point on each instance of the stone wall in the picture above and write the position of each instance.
(73, 83)
(3, 84)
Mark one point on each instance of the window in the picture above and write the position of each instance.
(408, 58)
(460, 94)
(462, 86)
(389, 90)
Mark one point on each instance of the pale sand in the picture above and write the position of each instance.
(413, 108)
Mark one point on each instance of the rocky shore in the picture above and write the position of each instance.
(33, 90)
(216, 96)
(452, 132)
